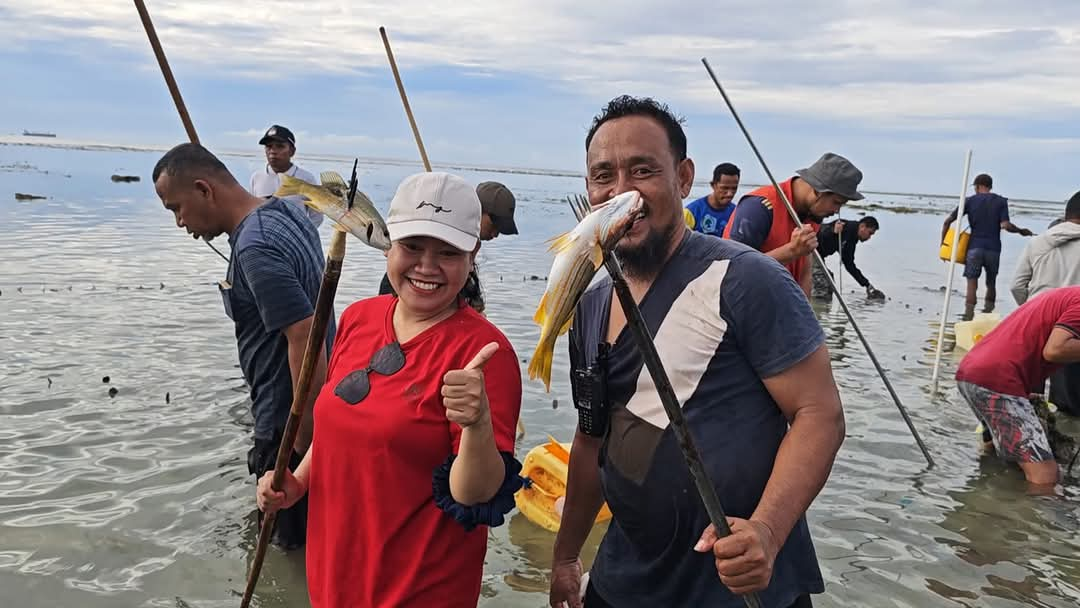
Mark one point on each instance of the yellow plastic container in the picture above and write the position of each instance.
(970, 332)
(945, 253)
(546, 466)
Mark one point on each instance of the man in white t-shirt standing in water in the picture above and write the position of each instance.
(280, 146)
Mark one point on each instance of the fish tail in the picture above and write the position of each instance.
(540, 365)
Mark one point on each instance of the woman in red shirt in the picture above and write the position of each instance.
(412, 457)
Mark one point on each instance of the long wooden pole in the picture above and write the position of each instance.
(818, 258)
(315, 342)
(952, 267)
(405, 99)
(416, 135)
(174, 90)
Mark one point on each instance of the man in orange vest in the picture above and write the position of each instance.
(761, 220)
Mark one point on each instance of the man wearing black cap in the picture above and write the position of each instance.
(988, 214)
(280, 146)
(497, 204)
(761, 219)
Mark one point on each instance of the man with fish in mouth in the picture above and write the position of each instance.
(761, 219)
(746, 356)
(272, 283)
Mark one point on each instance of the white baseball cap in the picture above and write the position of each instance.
(439, 205)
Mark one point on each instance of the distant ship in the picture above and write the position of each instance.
(33, 134)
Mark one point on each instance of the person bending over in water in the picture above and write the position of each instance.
(412, 457)
(269, 292)
(1013, 361)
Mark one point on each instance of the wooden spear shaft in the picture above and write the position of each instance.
(163, 63)
(315, 342)
(405, 100)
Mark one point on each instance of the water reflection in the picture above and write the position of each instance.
(136, 500)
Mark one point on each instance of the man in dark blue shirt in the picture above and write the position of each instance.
(272, 283)
(988, 214)
(844, 236)
(745, 356)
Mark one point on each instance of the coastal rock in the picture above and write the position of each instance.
(125, 178)
(19, 196)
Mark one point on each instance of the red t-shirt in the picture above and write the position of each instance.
(1009, 359)
(375, 537)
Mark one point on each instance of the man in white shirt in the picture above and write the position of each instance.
(280, 146)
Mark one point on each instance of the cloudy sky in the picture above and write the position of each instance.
(901, 89)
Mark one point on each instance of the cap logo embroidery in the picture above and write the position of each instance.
(437, 208)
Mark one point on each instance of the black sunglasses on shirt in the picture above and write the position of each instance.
(386, 361)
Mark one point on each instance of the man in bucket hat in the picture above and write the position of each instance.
(761, 220)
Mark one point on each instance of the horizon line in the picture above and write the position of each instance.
(33, 141)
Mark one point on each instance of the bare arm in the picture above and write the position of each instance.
(584, 497)
(803, 243)
(945, 227)
(807, 395)
(782, 254)
(806, 280)
(297, 337)
(478, 470)
(1063, 346)
(1008, 226)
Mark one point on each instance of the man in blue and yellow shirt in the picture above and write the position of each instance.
(709, 214)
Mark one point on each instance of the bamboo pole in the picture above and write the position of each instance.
(405, 99)
(174, 90)
(315, 343)
(952, 268)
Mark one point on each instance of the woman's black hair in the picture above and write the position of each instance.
(471, 292)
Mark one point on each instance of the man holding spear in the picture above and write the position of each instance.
(270, 291)
(746, 358)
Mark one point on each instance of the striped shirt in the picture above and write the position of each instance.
(274, 275)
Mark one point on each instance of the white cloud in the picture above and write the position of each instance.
(888, 64)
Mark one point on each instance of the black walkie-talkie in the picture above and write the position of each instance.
(591, 394)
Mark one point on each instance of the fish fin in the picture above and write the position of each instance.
(562, 242)
(290, 186)
(540, 365)
(597, 257)
(331, 179)
(541, 311)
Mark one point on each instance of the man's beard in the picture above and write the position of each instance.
(644, 260)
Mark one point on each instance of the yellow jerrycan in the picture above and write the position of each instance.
(961, 250)
(542, 497)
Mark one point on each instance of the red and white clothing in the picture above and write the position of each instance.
(1009, 359)
(375, 536)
